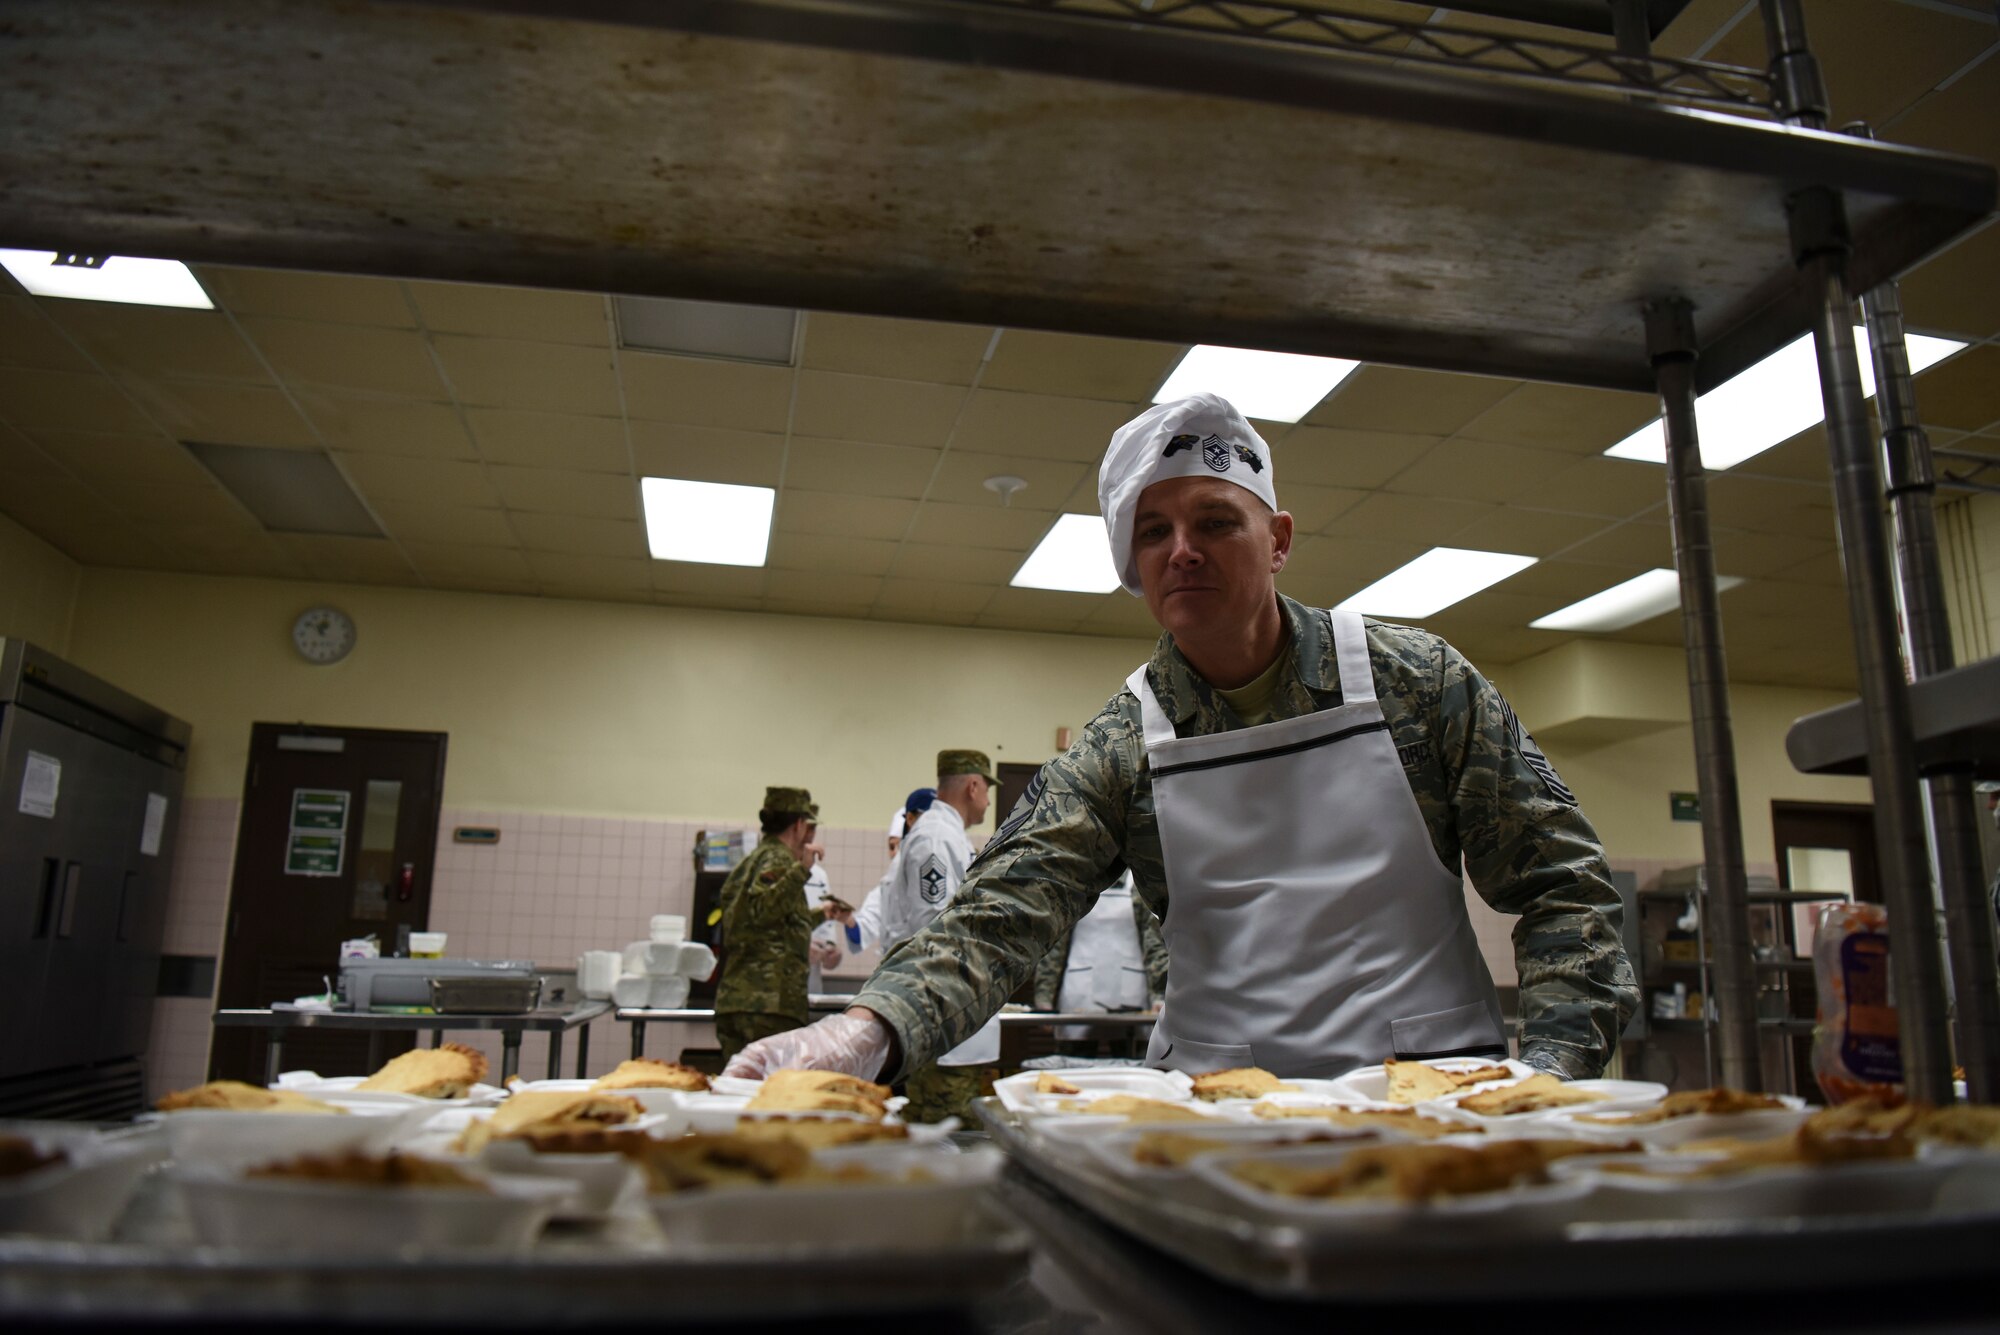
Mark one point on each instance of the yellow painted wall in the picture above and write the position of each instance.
(38, 587)
(597, 708)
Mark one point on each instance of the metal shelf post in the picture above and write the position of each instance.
(1670, 339)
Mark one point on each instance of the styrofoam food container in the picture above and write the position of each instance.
(1619, 1096)
(1669, 1187)
(1017, 1092)
(1370, 1084)
(605, 1183)
(651, 1100)
(893, 1216)
(347, 1088)
(1512, 1212)
(1760, 1125)
(230, 1139)
(1310, 1092)
(275, 1214)
(1113, 1146)
(82, 1198)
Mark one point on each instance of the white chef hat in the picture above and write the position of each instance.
(1199, 436)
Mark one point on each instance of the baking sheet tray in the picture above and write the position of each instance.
(1686, 1257)
(619, 1271)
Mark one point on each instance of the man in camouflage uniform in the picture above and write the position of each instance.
(767, 927)
(1204, 551)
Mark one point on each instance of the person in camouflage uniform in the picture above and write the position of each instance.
(1487, 799)
(767, 927)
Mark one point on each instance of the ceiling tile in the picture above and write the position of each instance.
(591, 573)
(899, 349)
(533, 314)
(335, 298)
(20, 456)
(959, 564)
(381, 361)
(451, 561)
(1081, 366)
(94, 544)
(813, 592)
(931, 600)
(160, 341)
(1964, 118)
(1526, 532)
(1122, 616)
(551, 440)
(1425, 403)
(29, 340)
(63, 401)
(1562, 582)
(882, 517)
(1038, 426)
(850, 466)
(1313, 508)
(980, 526)
(1647, 546)
(543, 377)
(1756, 555)
(889, 412)
(1964, 392)
(1326, 457)
(239, 538)
(123, 458)
(1873, 70)
(421, 520)
(387, 426)
(1432, 521)
(1758, 505)
(1614, 488)
(558, 491)
(1564, 418)
(1802, 458)
(390, 480)
(1824, 569)
(694, 577)
(848, 556)
(701, 392)
(225, 414)
(203, 502)
(360, 560)
(815, 608)
(1695, 25)
(261, 556)
(1953, 293)
(962, 480)
(580, 535)
(1478, 470)
(1765, 598)
(1324, 570)
(717, 602)
(707, 454)
(1039, 609)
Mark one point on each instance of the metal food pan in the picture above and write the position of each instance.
(485, 996)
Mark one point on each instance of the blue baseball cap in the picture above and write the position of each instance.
(920, 799)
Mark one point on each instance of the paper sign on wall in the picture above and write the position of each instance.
(155, 826)
(318, 843)
(39, 782)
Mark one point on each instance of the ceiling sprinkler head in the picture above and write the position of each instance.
(1006, 484)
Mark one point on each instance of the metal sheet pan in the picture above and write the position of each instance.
(1693, 1258)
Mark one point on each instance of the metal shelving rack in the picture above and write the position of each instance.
(1275, 175)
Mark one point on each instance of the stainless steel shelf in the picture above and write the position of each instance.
(1954, 715)
(985, 163)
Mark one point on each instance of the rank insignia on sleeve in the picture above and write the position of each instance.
(931, 880)
(1537, 762)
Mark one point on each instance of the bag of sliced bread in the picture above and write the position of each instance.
(1857, 1050)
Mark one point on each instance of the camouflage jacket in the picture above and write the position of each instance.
(1488, 796)
(766, 926)
(1152, 948)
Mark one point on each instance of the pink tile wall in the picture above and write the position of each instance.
(197, 899)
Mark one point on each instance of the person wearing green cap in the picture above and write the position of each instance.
(930, 866)
(767, 927)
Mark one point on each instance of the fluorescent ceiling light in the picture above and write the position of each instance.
(1276, 386)
(707, 329)
(290, 491)
(1434, 581)
(106, 278)
(717, 523)
(1075, 557)
(1640, 598)
(1769, 403)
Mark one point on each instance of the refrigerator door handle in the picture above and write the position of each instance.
(72, 882)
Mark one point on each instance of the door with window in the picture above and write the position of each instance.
(337, 841)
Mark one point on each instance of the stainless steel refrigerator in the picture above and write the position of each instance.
(90, 792)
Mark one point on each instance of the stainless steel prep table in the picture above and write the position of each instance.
(553, 1023)
(640, 1016)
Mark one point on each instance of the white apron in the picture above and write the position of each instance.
(1311, 927)
(1106, 970)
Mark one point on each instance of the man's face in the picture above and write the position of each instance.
(980, 793)
(1207, 551)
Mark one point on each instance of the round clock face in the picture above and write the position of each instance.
(323, 634)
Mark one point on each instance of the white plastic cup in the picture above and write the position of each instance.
(427, 945)
(669, 928)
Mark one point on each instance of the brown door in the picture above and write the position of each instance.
(1013, 782)
(1827, 847)
(337, 839)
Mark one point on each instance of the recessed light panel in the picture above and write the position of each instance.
(717, 523)
(1434, 581)
(707, 329)
(1769, 403)
(1274, 386)
(47, 273)
(1640, 598)
(1075, 557)
(290, 491)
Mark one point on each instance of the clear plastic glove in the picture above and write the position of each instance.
(826, 954)
(853, 1044)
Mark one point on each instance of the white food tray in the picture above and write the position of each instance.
(82, 1197)
(314, 1085)
(1017, 1092)
(1370, 1084)
(231, 1139)
(1759, 1125)
(282, 1215)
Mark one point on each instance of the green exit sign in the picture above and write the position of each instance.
(1686, 806)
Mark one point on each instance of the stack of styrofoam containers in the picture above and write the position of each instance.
(656, 972)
